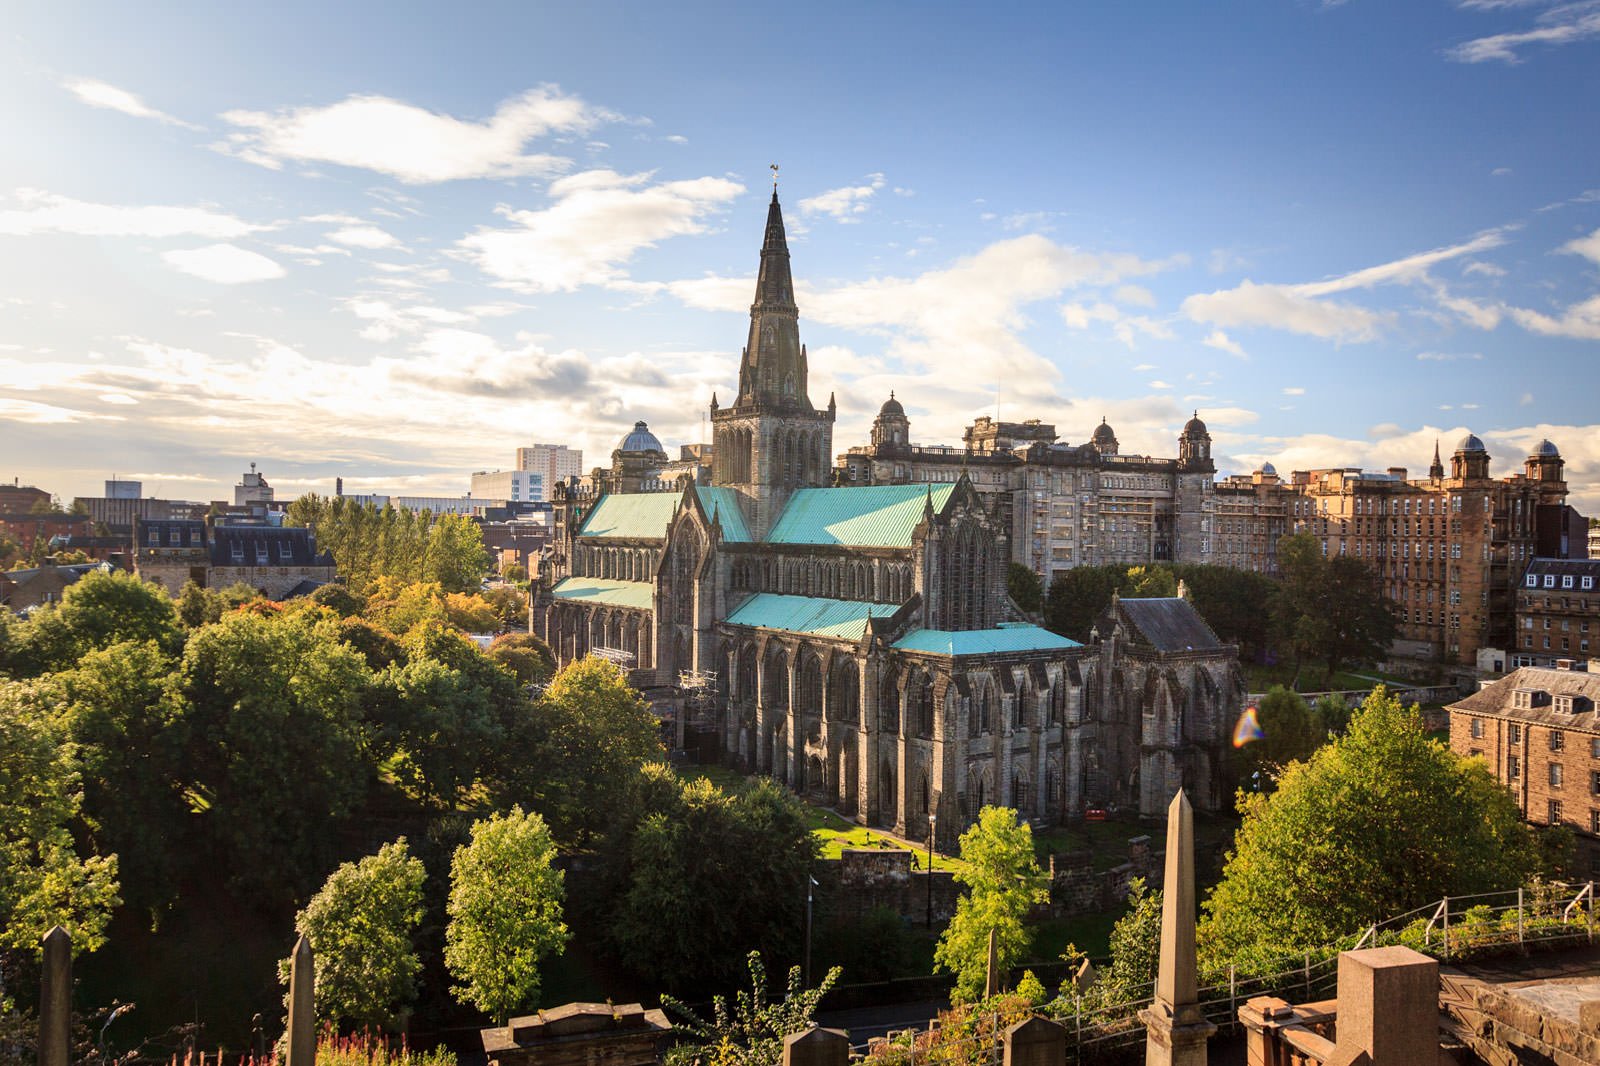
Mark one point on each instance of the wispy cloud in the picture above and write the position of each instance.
(1224, 343)
(412, 144)
(1447, 357)
(1566, 24)
(109, 97)
(370, 237)
(225, 264)
(48, 213)
(845, 204)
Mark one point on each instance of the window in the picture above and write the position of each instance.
(1477, 729)
(1513, 768)
(1587, 583)
(1594, 821)
(1514, 733)
(1594, 747)
(1594, 782)
(1558, 740)
(1549, 581)
(1555, 812)
(1555, 775)
(1566, 581)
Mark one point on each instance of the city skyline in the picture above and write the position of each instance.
(390, 246)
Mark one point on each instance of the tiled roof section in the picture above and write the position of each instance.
(724, 503)
(1170, 623)
(1009, 637)
(637, 594)
(877, 516)
(1496, 698)
(637, 515)
(1563, 567)
(846, 619)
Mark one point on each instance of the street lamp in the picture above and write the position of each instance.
(933, 824)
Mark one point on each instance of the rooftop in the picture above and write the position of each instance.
(843, 619)
(876, 516)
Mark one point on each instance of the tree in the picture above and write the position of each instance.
(1332, 608)
(1025, 588)
(1135, 947)
(1003, 881)
(1376, 823)
(691, 857)
(752, 1032)
(1150, 581)
(360, 924)
(456, 557)
(43, 880)
(1078, 597)
(525, 655)
(1290, 731)
(595, 733)
(505, 913)
(1236, 604)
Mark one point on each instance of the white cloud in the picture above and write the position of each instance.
(1294, 390)
(1564, 24)
(49, 213)
(1588, 247)
(1136, 295)
(1080, 316)
(1447, 357)
(1158, 384)
(1488, 270)
(413, 144)
(225, 264)
(844, 204)
(1302, 308)
(599, 219)
(365, 237)
(1580, 321)
(99, 94)
(1224, 343)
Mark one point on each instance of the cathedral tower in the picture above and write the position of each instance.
(772, 440)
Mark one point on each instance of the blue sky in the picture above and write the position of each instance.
(392, 243)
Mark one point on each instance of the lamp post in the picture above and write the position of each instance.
(805, 969)
(933, 824)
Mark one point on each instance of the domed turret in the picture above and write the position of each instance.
(1104, 439)
(891, 428)
(1194, 446)
(640, 440)
(1194, 427)
(1268, 470)
(1470, 443)
(1471, 458)
(891, 406)
(1545, 450)
(1545, 463)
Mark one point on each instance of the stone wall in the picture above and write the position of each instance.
(1077, 887)
(863, 879)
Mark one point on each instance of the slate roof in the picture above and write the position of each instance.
(1169, 623)
(846, 619)
(638, 515)
(1008, 637)
(637, 594)
(265, 546)
(1495, 699)
(1577, 568)
(869, 516)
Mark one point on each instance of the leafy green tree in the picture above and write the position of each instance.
(1003, 881)
(456, 557)
(505, 913)
(1332, 713)
(1236, 604)
(101, 609)
(1078, 597)
(43, 879)
(1025, 588)
(1135, 948)
(750, 1032)
(438, 723)
(1373, 824)
(275, 744)
(123, 711)
(691, 858)
(1150, 581)
(1332, 608)
(1290, 731)
(360, 924)
(200, 606)
(525, 655)
(595, 733)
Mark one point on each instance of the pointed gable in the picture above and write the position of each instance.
(873, 516)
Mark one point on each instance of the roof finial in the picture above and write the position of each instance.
(774, 168)
(891, 394)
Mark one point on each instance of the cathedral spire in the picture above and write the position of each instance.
(773, 370)
(1436, 471)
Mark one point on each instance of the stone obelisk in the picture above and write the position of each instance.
(1176, 1030)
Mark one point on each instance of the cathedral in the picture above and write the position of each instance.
(857, 643)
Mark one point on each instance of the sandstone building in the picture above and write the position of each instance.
(1539, 731)
(1558, 612)
(280, 561)
(857, 642)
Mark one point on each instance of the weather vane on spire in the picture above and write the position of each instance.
(774, 168)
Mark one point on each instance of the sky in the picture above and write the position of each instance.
(394, 242)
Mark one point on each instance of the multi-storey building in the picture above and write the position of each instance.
(1539, 732)
(252, 489)
(509, 486)
(856, 641)
(554, 462)
(1558, 612)
(280, 561)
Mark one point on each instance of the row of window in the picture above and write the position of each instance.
(1585, 581)
(1557, 739)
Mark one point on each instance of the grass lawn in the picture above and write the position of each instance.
(835, 834)
(1090, 932)
(1260, 678)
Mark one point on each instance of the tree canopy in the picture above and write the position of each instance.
(1329, 608)
(1371, 825)
(505, 913)
(1003, 881)
(370, 542)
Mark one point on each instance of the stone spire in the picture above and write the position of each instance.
(1436, 471)
(773, 370)
(1176, 1029)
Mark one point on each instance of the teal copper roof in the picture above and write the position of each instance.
(724, 503)
(632, 514)
(846, 619)
(876, 516)
(603, 590)
(1008, 637)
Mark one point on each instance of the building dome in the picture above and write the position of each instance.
(1470, 443)
(1545, 450)
(640, 440)
(1268, 470)
(1194, 427)
(1103, 434)
(891, 406)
